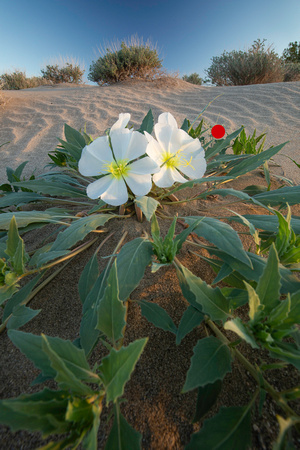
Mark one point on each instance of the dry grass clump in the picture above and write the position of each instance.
(257, 65)
(130, 59)
(18, 80)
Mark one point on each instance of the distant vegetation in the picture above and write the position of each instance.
(52, 74)
(257, 65)
(194, 78)
(120, 62)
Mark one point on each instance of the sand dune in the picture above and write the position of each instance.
(32, 119)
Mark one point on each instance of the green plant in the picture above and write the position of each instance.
(69, 73)
(255, 66)
(247, 145)
(194, 78)
(129, 60)
(292, 53)
(269, 289)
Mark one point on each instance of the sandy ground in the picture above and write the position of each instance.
(32, 119)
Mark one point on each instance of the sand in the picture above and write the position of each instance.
(32, 120)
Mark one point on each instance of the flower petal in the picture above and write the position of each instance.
(167, 119)
(121, 123)
(120, 140)
(196, 168)
(94, 156)
(137, 146)
(163, 134)
(153, 149)
(167, 177)
(144, 166)
(117, 193)
(139, 184)
(96, 189)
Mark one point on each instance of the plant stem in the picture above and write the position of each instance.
(252, 370)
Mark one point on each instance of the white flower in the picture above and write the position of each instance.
(176, 152)
(114, 162)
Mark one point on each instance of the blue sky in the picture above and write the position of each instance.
(188, 33)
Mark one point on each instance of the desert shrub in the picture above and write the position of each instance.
(18, 80)
(291, 71)
(257, 65)
(292, 53)
(194, 78)
(132, 59)
(69, 73)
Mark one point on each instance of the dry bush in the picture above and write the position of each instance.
(130, 59)
(18, 80)
(257, 65)
(291, 72)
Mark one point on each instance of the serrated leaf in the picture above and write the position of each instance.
(148, 206)
(279, 314)
(211, 300)
(73, 358)
(238, 327)
(78, 230)
(122, 436)
(210, 362)
(15, 248)
(207, 397)
(65, 377)
(157, 315)
(227, 430)
(24, 218)
(221, 235)
(132, 261)
(268, 287)
(117, 367)
(190, 319)
(74, 137)
(91, 440)
(111, 311)
(289, 194)
(286, 352)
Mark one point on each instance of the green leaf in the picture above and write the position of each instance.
(279, 314)
(20, 297)
(286, 352)
(20, 316)
(181, 237)
(229, 429)
(294, 315)
(190, 319)
(268, 287)
(211, 300)
(284, 426)
(88, 277)
(132, 261)
(15, 248)
(157, 315)
(207, 397)
(7, 291)
(289, 194)
(268, 222)
(221, 235)
(117, 367)
(238, 327)
(20, 198)
(148, 206)
(122, 436)
(64, 376)
(111, 311)
(253, 162)
(91, 440)
(221, 144)
(255, 307)
(74, 137)
(56, 188)
(43, 411)
(148, 123)
(24, 218)
(78, 230)
(73, 358)
(210, 362)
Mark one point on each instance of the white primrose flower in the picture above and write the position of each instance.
(176, 152)
(115, 157)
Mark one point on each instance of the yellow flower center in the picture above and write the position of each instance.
(118, 169)
(173, 160)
